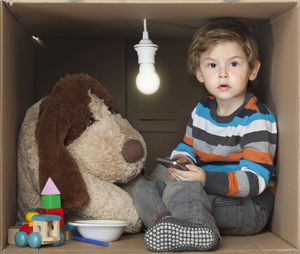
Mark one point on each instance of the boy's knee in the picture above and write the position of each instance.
(144, 187)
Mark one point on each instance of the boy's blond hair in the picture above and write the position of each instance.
(217, 30)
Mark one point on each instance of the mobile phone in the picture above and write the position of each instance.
(167, 163)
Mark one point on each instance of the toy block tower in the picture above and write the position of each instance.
(51, 202)
(50, 195)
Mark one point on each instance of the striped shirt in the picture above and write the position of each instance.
(236, 151)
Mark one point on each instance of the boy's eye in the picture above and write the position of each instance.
(212, 65)
(234, 64)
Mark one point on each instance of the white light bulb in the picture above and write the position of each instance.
(147, 80)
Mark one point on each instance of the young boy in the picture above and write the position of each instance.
(228, 148)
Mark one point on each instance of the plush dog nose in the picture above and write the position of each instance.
(132, 150)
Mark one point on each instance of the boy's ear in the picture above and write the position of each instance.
(199, 75)
(254, 71)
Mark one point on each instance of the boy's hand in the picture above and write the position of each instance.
(194, 173)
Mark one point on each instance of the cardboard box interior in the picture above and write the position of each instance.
(98, 38)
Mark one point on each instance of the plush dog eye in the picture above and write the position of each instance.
(91, 121)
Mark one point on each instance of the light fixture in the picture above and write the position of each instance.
(147, 80)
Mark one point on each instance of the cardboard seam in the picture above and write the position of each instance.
(10, 2)
(284, 11)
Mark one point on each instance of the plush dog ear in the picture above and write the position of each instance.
(54, 159)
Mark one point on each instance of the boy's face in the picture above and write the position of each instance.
(225, 71)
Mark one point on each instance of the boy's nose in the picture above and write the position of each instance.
(223, 74)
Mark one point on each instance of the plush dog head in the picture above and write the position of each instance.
(79, 132)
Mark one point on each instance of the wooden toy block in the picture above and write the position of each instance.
(51, 201)
(48, 227)
(11, 234)
(56, 211)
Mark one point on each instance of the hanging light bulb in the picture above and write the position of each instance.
(147, 80)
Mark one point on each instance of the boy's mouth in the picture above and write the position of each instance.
(223, 87)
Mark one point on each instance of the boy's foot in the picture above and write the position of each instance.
(171, 234)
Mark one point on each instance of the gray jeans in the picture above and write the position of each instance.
(189, 201)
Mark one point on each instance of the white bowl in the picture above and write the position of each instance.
(101, 230)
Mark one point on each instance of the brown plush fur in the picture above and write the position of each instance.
(63, 116)
(75, 136)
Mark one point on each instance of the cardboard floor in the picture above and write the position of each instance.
(263, 243)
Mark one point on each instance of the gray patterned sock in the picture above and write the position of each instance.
(172, 234)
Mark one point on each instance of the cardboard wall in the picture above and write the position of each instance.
(16, 95)
(285, 95)
(279, 89)
(103, 59)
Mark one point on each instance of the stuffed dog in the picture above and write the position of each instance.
(75, 136)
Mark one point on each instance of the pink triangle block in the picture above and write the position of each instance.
(50, 188)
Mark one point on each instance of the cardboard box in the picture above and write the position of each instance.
(98, 37)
